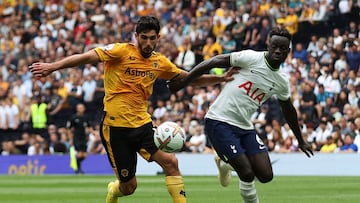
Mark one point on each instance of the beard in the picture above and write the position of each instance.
(146, 51)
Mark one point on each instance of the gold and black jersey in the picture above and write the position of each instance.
(128, 82)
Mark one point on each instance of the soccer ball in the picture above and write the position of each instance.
(169, 137)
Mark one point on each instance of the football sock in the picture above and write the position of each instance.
(248, 192)
(175, 185)
(116, 189)
(78, 162)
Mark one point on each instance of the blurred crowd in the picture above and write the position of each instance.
(323, 67)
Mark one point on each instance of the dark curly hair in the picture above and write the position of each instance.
(280, 32)
(147, 23)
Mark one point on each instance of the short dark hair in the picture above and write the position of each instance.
(147, 23)
(280, 32)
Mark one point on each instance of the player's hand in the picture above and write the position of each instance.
(306, 148)
(228, 75)
(41, 69)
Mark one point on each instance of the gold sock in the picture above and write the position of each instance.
(175, 185)
(116, 189)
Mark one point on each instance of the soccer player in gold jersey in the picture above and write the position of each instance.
(130, 71)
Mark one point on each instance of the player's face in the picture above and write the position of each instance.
(147, 42)
(278, 49)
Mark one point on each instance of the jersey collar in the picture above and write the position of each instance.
(268, 64)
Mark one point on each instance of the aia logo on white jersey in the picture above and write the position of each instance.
(252, 92)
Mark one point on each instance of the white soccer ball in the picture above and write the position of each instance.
(169, 137)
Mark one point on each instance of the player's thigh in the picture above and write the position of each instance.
(121, 151)
(261, 166)
(224, 139)
(150, 152)
(257, 153)
(146, 144)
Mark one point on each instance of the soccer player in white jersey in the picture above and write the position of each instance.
(228, 121)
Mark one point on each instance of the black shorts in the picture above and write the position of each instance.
(122, 145)
(80, 144)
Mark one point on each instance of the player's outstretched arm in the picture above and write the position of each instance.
(210, 79)
(193, 77)
(291, 118)
(44, 69)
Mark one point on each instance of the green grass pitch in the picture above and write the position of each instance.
(199, 189)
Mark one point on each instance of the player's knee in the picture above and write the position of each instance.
(246, 175)
(265, 177)
(170, 165)
(128, 188)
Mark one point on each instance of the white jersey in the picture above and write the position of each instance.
(255, 83)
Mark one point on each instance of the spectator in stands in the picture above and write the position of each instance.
(197, 141)
(9, 148)
(39, 118)
(160, 110)
(211, 48)
(95, 146)
(340, 63)
(349, 146)
(322, 132)
(186, 57)
(291, 21)
(308, 101)
(310, 135)
(300, 52)
(23, 143)
(357, 132)
(329, 146)
(353, 56)
(288, 146)
(12, 118)
(341, 100)
(250, 33)
(75, 94)
(55, 145)
(54, 106)
(276, 141)
(218, 28)
(35, 147)
(321, 97)
(227, 42)
(262, 35)
(88, 86)
(238, 33)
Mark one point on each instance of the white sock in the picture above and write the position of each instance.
(248, 192)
